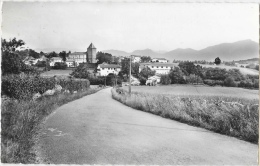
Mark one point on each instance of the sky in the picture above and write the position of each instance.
(128, 26)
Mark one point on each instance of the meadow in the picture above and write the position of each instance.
(229, 111)
(200, 90)
(53, 72)
(243, 70)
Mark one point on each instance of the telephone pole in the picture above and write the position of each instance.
(130, 75)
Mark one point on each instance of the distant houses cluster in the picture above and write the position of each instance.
(159, 65)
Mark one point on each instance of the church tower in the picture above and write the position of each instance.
(91, 54)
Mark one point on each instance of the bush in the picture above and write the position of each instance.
(23, 87)
(230, 82)
(81, 72)
(60, 65)
(165, 80)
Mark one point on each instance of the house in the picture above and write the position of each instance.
(136, 58)
(77, 57)
(160, 60)
(104, 69)
(70, 63)
(155, 77)
(53, 60)
(30, 61)
(159, 68)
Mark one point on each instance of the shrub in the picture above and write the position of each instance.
(23, 87)
(81, 72)
(230, 82)
(165, 80)
(60, 65)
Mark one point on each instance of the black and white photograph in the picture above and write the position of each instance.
(129, 82)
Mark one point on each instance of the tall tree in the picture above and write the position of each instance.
(103, 57)
(11, 61)
(34, 54)
(52, 54)
(145, 59)
(217, 61)
(11, 45)
(63, 55)
(147, 72)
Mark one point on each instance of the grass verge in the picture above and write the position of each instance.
(20, 123)
(231, 116)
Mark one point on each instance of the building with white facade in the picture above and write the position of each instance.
(77, 57)
(136, 58)
(160, 60)
(54, 60)
(159, 68)
(70, 63)
(104, 69)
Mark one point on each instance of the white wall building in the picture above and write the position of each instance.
(54, 60)
(105, 69)
(70, 63)
(159, 68)
(136, 58)
(160, 60)
(78, 57)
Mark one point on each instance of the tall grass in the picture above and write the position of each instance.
(20, 122)
(235, 117)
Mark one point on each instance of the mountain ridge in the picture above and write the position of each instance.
(243, 49)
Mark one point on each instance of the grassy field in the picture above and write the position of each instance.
(229, 111)
(52, 72)
(177, 89)
(242, 70)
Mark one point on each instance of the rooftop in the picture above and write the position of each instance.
(78, 53)
(104, 65)
(91, 46)
(160, 58)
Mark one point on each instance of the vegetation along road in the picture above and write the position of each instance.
(99, 130)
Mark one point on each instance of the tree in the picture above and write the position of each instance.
(103, 57)
(145, 59)
(147, 72)
(81, 72)
(230, 82)
(63, 55)
(34, 54)
(11, 45)
(217, 61)
(177, 76)
(188, 68)
(52, 54)
(11, 61)
(165, 80)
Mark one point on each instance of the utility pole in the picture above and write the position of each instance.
(130, 75)
(105, 80)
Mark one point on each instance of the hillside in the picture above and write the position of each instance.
(244, 49)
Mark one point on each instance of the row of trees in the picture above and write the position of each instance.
(190, 73)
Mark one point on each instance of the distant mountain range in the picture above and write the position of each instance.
(239, 50)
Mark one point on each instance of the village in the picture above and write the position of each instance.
(107, 83)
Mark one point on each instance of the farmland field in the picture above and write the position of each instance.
(57, 73)
(242, 70)
(177, 89)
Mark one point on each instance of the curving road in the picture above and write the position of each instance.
(99, 130)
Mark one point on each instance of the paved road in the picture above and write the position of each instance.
(99, 130)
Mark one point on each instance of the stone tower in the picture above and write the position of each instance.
(91, 54)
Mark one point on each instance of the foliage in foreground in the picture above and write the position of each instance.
(20, 123)
(235, 117)
(23, 87)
